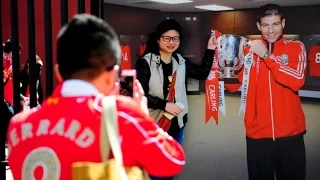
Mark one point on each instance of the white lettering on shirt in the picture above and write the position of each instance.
(26, 131)
(82, 137)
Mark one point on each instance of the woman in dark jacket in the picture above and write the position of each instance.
(163, 74)
(24, 78)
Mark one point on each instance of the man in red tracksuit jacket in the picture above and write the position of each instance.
(43, 143)
(274, 119)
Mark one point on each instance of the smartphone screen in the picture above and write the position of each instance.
(127, 79)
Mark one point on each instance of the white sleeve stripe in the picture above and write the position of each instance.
(150, 139)
(292, 73)
(297, 73)
(287, 69)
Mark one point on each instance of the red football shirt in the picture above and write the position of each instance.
(43, 143)
(314, 58)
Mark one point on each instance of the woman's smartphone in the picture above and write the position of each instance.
(127, 78)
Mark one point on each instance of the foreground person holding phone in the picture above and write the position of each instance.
(44, 143)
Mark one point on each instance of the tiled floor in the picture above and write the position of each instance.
(218, 152)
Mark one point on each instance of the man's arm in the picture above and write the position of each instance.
(155, 151)
(291, 74)
(201, 71)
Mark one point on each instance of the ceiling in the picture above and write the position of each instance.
(189, 7)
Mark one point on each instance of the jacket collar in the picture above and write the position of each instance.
(272, 45)
(75, 88)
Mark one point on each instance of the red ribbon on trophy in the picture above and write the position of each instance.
(212, 87)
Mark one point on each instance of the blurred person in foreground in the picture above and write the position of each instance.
(43, 143)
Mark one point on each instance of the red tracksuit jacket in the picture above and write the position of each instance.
(273, 104)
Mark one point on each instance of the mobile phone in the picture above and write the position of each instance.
(127, 78)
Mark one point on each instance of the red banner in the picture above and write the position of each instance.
(212, 88)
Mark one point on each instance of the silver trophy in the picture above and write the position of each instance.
(231, 57)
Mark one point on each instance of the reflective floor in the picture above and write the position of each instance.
(217, 152)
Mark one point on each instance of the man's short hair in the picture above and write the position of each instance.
(269, 10)
(86, 46)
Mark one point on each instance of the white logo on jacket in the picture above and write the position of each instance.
(284, 59)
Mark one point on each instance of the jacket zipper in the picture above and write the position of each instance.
(256, 93)
(270, 93)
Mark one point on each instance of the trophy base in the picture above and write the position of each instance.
(227, 75)
(227, 72)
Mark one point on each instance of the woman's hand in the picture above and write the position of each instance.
(212, 43)
(173, 109)
(139, 97)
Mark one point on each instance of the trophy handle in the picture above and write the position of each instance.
(213, 33)
(219, 43)
(243, 44)
(220, 52)
(247, 42)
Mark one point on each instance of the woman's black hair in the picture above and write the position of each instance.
(152, 45)
(26, 68)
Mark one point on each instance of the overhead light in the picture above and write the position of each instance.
(214, 7)
(173, 1)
